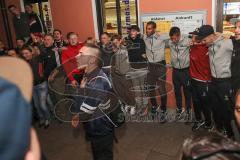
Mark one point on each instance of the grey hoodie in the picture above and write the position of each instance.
(155, 47)
(180, 53)
(220, 54)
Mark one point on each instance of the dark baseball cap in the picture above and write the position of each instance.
(204, 31)
(196, 32)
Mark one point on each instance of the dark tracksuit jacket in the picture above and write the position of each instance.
(37, 68)
(235, 65)
(107, 53)
(49, 60)
(99, 130)
(136, 48)
(36, 24)
(21, 25)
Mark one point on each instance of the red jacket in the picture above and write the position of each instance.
(200, 63)
(69, 62)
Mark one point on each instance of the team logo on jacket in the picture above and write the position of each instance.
(226, 98)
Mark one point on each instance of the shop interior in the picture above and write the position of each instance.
(231, 14)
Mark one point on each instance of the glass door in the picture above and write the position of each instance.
(115, 16)
(43, 9)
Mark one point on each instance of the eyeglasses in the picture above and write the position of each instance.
(208, 155)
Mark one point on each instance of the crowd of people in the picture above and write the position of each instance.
(204, 68)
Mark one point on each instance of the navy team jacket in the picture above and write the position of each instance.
(94, 101)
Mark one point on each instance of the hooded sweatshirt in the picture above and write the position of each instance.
(180, 53)
(220, 54)
(155, 47)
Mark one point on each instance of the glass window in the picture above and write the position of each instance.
(231, 14)
(117, 19)
(110, 16)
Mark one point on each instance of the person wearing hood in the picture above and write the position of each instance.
(69, 54)
(220, 54)
(135, 45)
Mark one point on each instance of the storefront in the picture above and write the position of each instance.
(115, 16)
(231, 14)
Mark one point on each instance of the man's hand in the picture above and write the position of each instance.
(74, 83)
(53, 75)
(75, 121)
(144, 56)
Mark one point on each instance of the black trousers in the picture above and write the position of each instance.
(222, 98)
(157, 77)
(181, 78)
(102, 147)
(201, 96)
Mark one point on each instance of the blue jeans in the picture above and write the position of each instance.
(40, 94)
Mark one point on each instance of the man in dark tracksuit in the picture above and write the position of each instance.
(236, 59)
(220, 54)
(20, 23)
(155, 51)
(35, 22)
(98, 127)
(201, 83)
(179, 46)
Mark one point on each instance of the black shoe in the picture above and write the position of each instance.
(154, 109)
(208, 127)
(163, 116)
(188, 118)
(197, 125)
(41, 123)
(179, 113)
(46, 124)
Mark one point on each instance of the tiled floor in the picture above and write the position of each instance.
(137, 141)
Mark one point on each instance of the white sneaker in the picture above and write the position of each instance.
(127, 108)
(133, 110)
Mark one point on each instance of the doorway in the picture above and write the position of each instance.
(115, 16)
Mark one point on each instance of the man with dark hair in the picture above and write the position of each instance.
(35, 22)
(12, 53)
(20, 22)
(51, 57)
(3, 49)
(20, 42)
(40, 90)
(201, 83)
(135, 45)
(59, 42)
(106, 48)
(155, 52)
(220, 53)
(179, 46)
